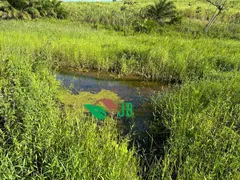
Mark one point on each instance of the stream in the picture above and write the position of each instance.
(136, 91)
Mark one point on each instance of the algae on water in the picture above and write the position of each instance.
(78, 101)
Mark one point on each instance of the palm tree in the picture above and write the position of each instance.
(162, 11)
(19, 4)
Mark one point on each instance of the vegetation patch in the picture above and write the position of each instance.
(31, 9)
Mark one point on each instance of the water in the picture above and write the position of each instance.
(136, 92)
(139, 93)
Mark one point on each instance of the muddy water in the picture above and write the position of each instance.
(133, 90)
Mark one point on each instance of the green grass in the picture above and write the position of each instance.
(42, 138)
(111, 13)
(203, 118)
(169, 56)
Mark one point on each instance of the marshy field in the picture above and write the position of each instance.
(177, 62)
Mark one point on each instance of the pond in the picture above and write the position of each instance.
(130, 89)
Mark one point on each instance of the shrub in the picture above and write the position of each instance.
(35, 8)
(145, 26)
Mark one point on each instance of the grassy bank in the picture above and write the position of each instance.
(203, 118)
(169, 56)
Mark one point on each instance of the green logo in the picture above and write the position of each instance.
(100, 113)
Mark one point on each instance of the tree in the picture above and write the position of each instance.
(220, 5)
(19, 4)
(163, 11)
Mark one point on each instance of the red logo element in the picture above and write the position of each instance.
(113, 108)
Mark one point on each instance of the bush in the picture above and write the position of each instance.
(35, 8)
(145, 26)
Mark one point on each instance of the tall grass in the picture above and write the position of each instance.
(123, 17)
(166, 57)
(40, 139)
(203, 118)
